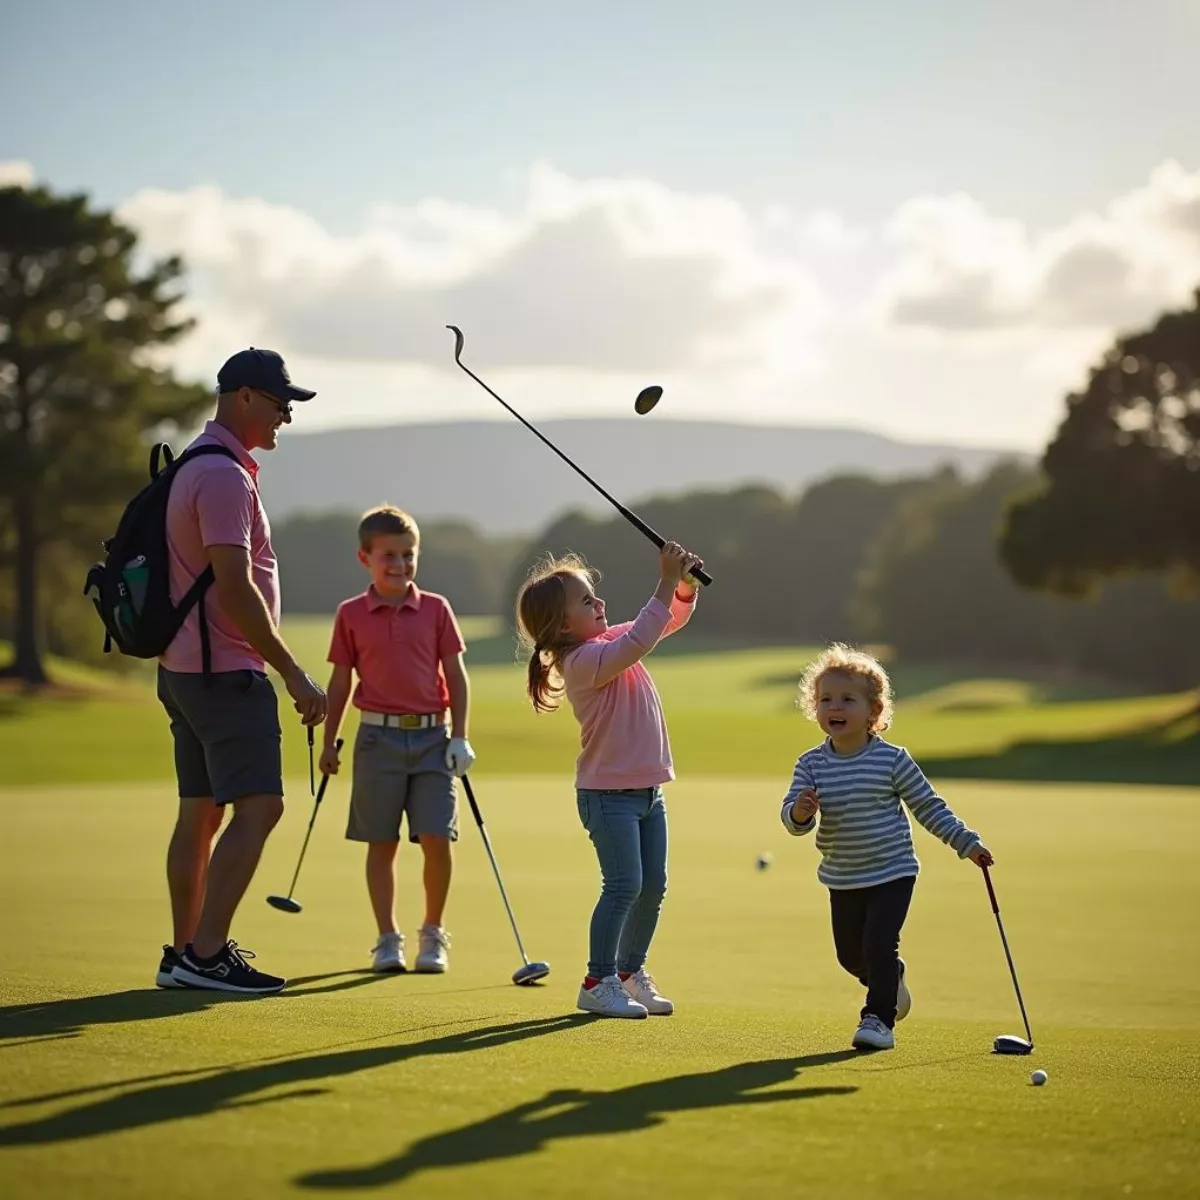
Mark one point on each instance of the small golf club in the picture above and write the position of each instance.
(1009, 1043)
(531, 972)
(697, 572)
(286, 903)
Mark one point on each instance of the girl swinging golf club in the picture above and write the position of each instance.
(625, 756)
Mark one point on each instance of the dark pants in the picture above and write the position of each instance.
(866, 933)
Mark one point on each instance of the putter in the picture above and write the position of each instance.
(1008, 1043)
(697, 572)
(286, 903)
(531, 972)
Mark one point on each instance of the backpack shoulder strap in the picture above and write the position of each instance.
(201, 451)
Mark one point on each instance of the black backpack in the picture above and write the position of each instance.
(131, 588)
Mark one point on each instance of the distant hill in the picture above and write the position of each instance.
(498, 476)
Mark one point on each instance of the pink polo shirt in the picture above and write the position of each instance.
(623, 732)
(397, 650)
(214, 501)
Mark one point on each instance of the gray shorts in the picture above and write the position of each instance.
(400, 772)
(227, 735)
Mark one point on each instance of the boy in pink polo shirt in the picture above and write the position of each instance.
(407, 649)
(624, 760)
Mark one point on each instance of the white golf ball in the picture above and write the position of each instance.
(764, 860)
(1038, 1078)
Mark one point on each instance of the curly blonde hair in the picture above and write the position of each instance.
(541, 609)
(845, 660)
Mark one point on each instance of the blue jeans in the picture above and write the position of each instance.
(629, 832)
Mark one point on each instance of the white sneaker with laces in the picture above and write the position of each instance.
(432, 958)
(608, 998)
(641, 986)
(903, 997)
(388, 954)
(873, 1034)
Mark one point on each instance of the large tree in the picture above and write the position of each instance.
(1120, 487)
(82, 316)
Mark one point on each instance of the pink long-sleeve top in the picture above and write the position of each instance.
(623, 733)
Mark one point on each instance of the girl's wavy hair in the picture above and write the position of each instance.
(541, 609)
(845, 660)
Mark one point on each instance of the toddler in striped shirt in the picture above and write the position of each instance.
(856, 781)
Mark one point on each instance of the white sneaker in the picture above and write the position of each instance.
(432, 958)
(873, 1034)
(388, 954)
(608, 998)
(903, 997)
(641, 986)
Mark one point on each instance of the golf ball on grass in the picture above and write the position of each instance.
(1038, 1078)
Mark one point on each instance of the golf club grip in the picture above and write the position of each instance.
(325, 775)
(697, 573)
(471, 800)
(987, 879)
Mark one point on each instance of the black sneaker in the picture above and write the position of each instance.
(170, 960)
(228, 971)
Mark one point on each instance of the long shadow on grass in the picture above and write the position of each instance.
(58, 1018)
(573, 1113)
(193, 1094)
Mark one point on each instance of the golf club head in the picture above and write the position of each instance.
(1009, 1043)
(284, 904)
(647, 398)
(530, 973)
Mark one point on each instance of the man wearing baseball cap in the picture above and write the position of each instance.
(212, 680)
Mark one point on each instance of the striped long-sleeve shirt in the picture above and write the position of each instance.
(863, 832)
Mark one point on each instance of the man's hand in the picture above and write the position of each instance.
(805, 806)
(307, 695)
(981, 856)
(460, 758)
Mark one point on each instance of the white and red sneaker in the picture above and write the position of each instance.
(641, 986)
(607, 997)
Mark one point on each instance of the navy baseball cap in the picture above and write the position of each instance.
(263, 370)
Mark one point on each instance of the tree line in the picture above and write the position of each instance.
(1087, 561)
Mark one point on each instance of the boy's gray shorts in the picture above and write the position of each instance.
(399, 772)
(226, 731)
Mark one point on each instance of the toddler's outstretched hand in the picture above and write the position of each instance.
(981, 856)
(805, 806)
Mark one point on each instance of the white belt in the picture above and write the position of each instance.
(403, 720)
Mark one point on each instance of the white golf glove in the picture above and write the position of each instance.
(460, 758)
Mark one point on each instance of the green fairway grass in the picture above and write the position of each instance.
(731, 711)
(462, 1085)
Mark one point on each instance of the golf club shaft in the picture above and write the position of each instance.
(1004, 942)
(701, 575)
(311, 777)
(487, 845)
(311, 821)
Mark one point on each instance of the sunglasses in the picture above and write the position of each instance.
(284, 406)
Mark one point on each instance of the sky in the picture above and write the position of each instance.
(923, 219)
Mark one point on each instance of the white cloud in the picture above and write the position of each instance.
(16, 173)
(602, 275)
(963, 272)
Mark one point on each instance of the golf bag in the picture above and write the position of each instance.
(131, 588)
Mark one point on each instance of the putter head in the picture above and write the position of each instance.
(284, 904)
(530, 973)
(1009, 1043)
(647, 398)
